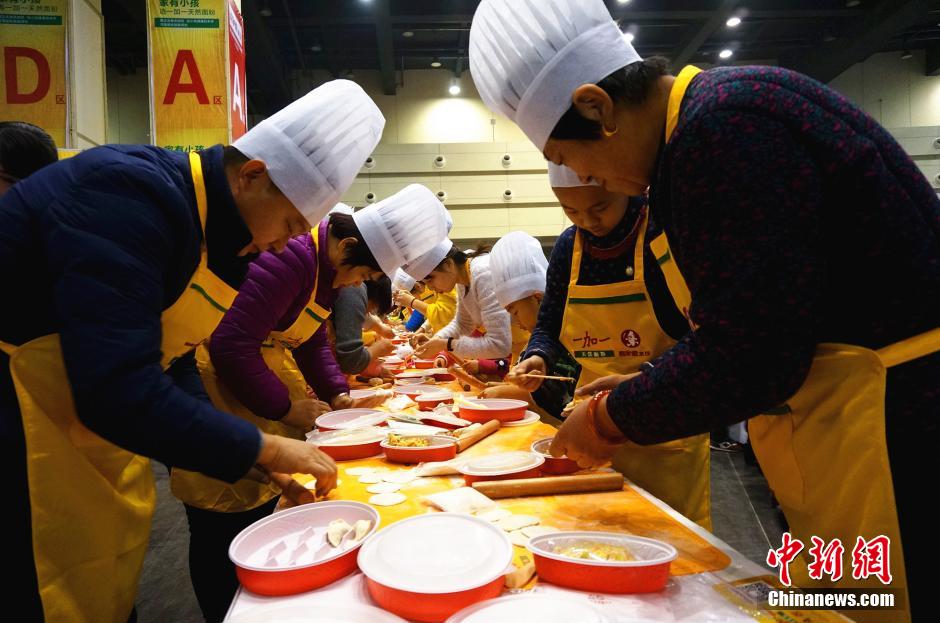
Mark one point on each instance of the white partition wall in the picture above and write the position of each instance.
(88, 125)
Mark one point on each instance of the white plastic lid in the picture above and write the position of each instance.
(465, 552)
(493, 403)
(347, 437)
(351, 418)
(538, 608)
(502, 463)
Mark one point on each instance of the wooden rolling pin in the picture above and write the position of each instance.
(484, 431)
(550, 485)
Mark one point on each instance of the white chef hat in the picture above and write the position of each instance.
(560, 176)
(421, 267)
(342, 208)
(402, 227)
(518, 265)
(528, 56)
(402, 281)
(314, 147)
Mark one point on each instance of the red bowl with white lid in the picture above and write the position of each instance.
(528, 608)
(426, 568)
(647, 572)
(428, 400)
(483, 410)
(345, 419)
(287, 552)
(439, 448)
(501, 466)
(349, 444)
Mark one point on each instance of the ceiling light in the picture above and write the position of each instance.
(454, 88)
(407, 34)
(853, 3)
(726, 53)
(906, 55)
(435, 63)
(623, 1)
(733, 22)
(629, 37)
(316, 47)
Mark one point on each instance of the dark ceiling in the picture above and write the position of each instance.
(819, 37)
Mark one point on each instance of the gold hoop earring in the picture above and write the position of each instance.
(609, 133)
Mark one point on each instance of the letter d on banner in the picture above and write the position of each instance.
(34, 82)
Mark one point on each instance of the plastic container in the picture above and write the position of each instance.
(345, 419)
(428, 400)
(483, 410)
(287, 553)
(441, 448)
(553, 466)
(647, 574)
(502, 466)
(426, 568)
(349, 444)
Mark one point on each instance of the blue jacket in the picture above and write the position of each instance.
(95, 248)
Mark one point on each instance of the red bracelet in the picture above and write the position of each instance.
(592, 417)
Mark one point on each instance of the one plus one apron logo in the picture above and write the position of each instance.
(586, 342)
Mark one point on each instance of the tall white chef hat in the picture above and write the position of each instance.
(342, 208)
(528, 56)
(402, 281)
(315, 146)
(421, 266)
(518, 265)
(402, 227)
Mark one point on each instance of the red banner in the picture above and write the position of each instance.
(238, 104)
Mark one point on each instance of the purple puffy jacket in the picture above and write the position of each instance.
(274, 293)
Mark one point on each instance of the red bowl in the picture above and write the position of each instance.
(444, 377)
(423, 364)
(647, 574)
(430, 608)
(502, 409)
(420, 583)
(553, 466)
(441, 449)
(428, 400)
(502, 466)
(398, 341)
(247, 550)
(345, 451)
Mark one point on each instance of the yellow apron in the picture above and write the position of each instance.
(824, 452)
(612, 329)
(208, 493)
(90, 534)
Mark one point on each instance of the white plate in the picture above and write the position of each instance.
(502, 463)
(531, 417)
(351, 418)
(467, 552)
(296, 537)
(320, 612)
(539, 608)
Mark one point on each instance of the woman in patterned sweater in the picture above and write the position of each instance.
(800, 226)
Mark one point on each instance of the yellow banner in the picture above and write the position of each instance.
(188, 95)
(34, 79)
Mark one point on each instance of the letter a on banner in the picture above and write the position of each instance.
(188, 73)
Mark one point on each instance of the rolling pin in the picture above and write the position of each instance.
(484, 431)
(550, 485)
(466, 379)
